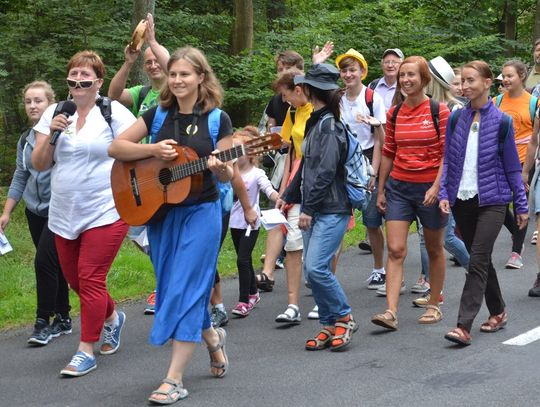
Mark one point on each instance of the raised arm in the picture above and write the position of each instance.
(117, 87)
(161, 53)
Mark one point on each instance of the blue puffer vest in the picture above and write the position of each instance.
(499, 175)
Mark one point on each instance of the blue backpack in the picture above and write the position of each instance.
(214, 118)
(532, 104)
(357, 170)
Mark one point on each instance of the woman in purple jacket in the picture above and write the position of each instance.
(477, 184)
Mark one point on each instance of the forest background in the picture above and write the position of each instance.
(240, 39)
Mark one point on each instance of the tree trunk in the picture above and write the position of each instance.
(242, 39)
(537, 22)
(243, 26)
(140, 9)
(510, 24)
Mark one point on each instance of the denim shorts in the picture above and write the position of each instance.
(537, 197)
(371, 217)
(404, 202)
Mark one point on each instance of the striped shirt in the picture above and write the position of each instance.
(413, 145)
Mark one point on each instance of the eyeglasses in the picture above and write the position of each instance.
(85, 84)
(391, 63)
(150, 62)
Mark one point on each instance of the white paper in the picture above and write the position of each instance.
(273, 218)
(5, 247)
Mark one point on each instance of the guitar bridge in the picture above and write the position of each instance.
(135, 186)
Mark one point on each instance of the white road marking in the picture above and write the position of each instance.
(524, 339)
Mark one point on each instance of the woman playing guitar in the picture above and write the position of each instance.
(185, 242)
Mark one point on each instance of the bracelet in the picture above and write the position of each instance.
(378, 125)
(373, 176)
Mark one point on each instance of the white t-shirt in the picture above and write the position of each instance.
(353, 111)
(468, 185)
(81, 195)
(255, 181)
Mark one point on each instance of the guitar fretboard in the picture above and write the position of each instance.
(193, 167)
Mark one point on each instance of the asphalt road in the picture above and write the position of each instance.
(414, 366)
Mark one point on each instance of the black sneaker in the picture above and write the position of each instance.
(42, 333)
(364, 245)
(535, 290)
(60, 326)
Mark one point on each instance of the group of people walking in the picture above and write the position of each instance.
(422, 142)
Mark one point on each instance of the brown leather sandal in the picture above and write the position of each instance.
(382, 320)
(321, 341)
(495, 322)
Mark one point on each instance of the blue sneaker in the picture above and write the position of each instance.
(80, 364)
(111, 336)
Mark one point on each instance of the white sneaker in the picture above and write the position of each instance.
(514, 262)
(314, 313)
(381, 292)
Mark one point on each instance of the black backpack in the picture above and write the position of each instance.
(142, 94)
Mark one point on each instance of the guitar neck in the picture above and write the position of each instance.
(193, 167)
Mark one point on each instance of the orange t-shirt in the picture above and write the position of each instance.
(518, 109)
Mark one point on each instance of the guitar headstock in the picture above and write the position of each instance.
(263, 144)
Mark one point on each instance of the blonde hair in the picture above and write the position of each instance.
(210, 92)
(49, 92)
(440, 93)
(246, 134)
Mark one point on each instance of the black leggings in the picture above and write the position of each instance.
(246, 274)
(51, 286)
(518, 235)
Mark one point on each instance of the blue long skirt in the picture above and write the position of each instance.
(184, 252)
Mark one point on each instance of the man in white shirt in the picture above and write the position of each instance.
(385, 87)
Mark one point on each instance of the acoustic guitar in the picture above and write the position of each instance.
(143, 190)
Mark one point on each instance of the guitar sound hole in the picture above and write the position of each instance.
(165, 176)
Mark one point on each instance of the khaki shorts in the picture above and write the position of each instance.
(294, 234)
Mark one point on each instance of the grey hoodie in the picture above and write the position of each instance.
(32, 185)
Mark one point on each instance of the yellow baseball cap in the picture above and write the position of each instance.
(352, 53)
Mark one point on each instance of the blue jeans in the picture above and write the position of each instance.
(321, 243)
(453, 245)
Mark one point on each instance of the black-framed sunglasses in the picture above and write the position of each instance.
(84, 84)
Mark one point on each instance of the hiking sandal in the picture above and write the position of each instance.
(388, 323)
(426, 318)
(495, 322)
(459, 335)
(175, 393)
(343, 333)
(223, 366)
(264, 283)
(321, 341)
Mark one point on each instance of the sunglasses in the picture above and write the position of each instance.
(85, 84)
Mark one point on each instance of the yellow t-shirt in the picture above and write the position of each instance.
(296, 130)
(518, 109)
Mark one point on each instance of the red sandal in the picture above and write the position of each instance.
(459, 335)
(321, 341)
(495, 322)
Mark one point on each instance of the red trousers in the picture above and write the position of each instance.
(85, 262)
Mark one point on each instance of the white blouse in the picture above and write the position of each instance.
(468, 186)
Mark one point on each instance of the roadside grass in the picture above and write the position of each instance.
(131, 275)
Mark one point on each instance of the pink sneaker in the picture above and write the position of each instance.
(242, 309)
(254, 299)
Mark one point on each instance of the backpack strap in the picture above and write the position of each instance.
(157, 122)
(214, 121)
(292, 111)
(22, 141)
(394, 115)
(373, 84)
(453, 119)
(142, 95)
(504, 128)
(369, 103)
(498, 100)
(434, 107)
(532, 107)
(104, 104)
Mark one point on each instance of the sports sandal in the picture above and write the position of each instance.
(264, 283)
(343, 335)
(382, 320)
(321, 341)
(223, 366)
(495, 322)
(176, 392)
(459, 335)
(426, 318)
